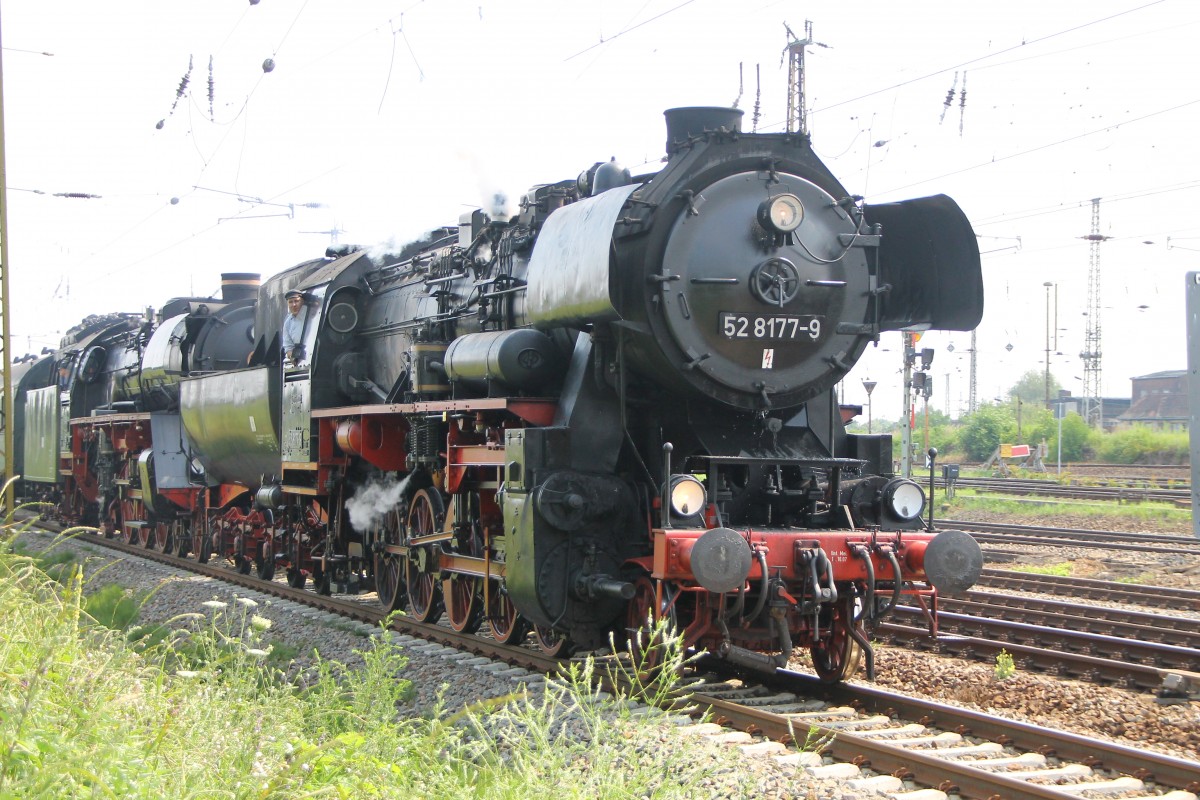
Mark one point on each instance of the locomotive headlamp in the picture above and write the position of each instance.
(782, 213)
(903, 499)
(688, 497)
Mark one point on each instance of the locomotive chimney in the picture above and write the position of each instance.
(684, 123)
(239, 285)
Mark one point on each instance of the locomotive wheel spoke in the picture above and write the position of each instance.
(125, 515)
(508, 626)
(553, 643)
(643, 615)
(837, 657)
(464, 602)
(388, 567)
(183, 539)
(163, 540)
(464, 593)
(425, 514)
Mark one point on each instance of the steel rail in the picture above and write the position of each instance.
(1132, 593)
(1182, 631)
(1081, 533)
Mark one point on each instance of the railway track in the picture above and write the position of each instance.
(960, 752)
(1090, 588)
(1006, 533)
(1123, 493)
(955, 750)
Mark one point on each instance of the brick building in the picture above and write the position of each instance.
(1159, 400)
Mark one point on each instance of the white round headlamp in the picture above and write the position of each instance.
(903, 499)
(688, 497)
(782, 213)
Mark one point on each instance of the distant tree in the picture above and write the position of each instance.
(1075, 434)
(1031, 388)
(986, 429)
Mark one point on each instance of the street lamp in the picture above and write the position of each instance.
(1048, 284)
(870, 387)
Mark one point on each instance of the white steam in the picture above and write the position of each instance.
(374, 500)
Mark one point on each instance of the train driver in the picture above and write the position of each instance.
(292, 335)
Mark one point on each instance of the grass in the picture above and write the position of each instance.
(1057, 570)
(1113, 515)
(93, 704)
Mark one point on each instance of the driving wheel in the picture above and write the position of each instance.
(425, 515)
(464, 593)
(389, 566)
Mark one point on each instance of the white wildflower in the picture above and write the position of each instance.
(257, 653)
(187, 673)
(247, 602)
(260, 623)
(214, 604)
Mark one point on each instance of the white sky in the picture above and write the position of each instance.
(398, 116)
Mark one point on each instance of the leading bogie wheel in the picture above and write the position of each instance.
(649, 616)
(836, 657)
(507, 624)
(555, 644)
(425, 514)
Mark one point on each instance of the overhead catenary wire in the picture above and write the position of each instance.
(1075, 138)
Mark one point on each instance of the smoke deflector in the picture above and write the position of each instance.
(930, 258)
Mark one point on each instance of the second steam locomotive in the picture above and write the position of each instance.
(614, 407)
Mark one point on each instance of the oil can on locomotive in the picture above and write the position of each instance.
(641, 370)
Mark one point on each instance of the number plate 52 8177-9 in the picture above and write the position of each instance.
(776, 326)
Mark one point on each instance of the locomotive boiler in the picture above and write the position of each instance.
(612, 407)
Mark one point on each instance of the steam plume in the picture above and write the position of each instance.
(372, 501)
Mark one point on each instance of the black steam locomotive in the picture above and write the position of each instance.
(615, 406)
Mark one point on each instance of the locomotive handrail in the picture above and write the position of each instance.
(849, 463)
